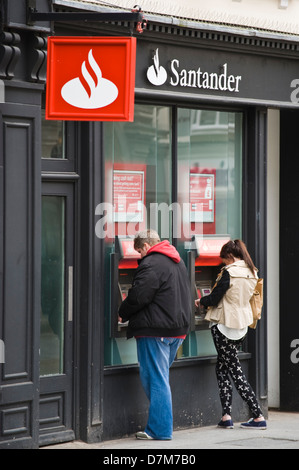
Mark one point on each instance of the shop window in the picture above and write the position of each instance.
(138, 175)
(206, 186)
(211, 146)
(209, 150)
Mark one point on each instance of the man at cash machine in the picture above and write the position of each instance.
(158, 308)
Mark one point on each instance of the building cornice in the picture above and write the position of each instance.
(222, 27)
(223, 36)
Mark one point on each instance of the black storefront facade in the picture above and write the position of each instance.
(201, 102)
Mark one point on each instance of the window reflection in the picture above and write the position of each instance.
(208, 182)
(52, 285)
(209, 150)
(138, 175)
(210, 143)
(53, 145)
(139, 149)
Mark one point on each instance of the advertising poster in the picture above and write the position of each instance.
(202, 197)
(128, 195)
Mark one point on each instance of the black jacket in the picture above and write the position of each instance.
(218, 291)
(159, 301)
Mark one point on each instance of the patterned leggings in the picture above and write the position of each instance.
(228, 364)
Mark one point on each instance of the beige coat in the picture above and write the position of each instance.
(234, 309)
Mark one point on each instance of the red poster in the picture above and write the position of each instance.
(202, 197)
(208, 250)
(91, 78)
(128, 195)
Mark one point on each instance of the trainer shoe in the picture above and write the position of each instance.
(227, 424)
(251, 424)
(143, 435)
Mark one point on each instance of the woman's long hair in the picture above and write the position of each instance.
(237, 249)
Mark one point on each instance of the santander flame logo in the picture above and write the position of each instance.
(91, 90)
(156, 74)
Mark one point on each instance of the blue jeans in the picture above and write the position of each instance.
(155, 356)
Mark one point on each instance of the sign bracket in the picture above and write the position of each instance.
(135, 15)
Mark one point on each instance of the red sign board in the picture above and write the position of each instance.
(127, 249)
(212, 246)
(128, 195)
(209, 250)
(91, 78)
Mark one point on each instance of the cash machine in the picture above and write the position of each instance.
(204, 266)
(204, 260)
(129, 199)
(124, 262)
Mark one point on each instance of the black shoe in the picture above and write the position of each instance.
(251, 424)
(227, 424)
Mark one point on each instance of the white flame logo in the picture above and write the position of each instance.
(156, 74)
(89, 92)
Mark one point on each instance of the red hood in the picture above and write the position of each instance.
(165, 248)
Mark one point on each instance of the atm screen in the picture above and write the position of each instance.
(124, 289)
(127, 264)
(202, 288)
(206, 291)
(123, 292)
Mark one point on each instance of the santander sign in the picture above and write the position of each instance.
(91, 79)
(192, 78)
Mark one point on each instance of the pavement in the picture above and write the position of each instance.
(282, 433)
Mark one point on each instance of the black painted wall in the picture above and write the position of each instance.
(289, 259)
